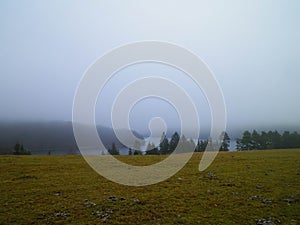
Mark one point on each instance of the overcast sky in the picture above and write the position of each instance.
(252, 47)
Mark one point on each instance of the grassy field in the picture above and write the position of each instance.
(238, 188)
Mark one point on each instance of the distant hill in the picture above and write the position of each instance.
(42, 137)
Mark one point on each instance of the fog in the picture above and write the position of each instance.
(251, 47)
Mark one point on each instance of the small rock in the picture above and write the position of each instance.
(112, 198)
(259, 186)
(96, 213)
(211, 175)
(266, 200)
(290, 199)
(136, 200)
(269, 221)
(109, 211)
(103, 215)
(256, 197)
(61, 214)
(263, 200)
(89, 204)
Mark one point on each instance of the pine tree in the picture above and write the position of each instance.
(20, 150)
(201, 145)
(255, 140)
(225, 142)
(151, 149)
(136, 152)
(173, 142)
(245, 142)
(137, 145)
(17, 149)
(113, 150)
(164, 144)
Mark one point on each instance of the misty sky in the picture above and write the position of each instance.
(251, 46)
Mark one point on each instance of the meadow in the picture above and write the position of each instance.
(249, 187)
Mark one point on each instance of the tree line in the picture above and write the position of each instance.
(167, 146)
(249, 141)
(268, 140)
(20, 150)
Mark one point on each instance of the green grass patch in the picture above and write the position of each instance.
(238, 188)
